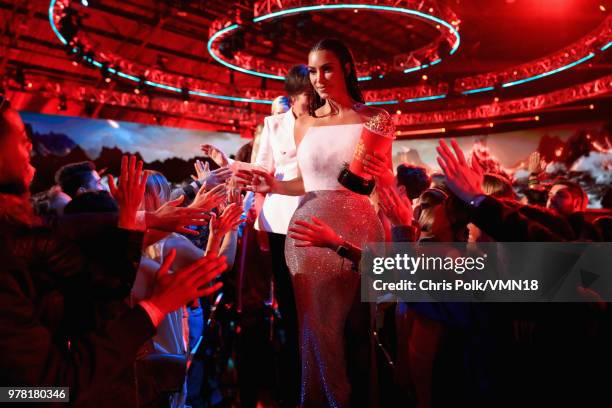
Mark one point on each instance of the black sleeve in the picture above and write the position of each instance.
(31, 355)
(93, 273)
(505, 223)
(404, 233)
(105, 261)
(81, 226)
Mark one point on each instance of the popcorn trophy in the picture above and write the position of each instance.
(377, 136)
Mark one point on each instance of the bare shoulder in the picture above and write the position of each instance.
(302, 124)
(304, 120)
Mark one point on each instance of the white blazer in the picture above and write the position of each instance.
(277, 152)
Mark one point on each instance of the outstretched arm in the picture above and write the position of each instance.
(496, 218)
(262, 182)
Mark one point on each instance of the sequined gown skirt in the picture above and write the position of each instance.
(335, 341)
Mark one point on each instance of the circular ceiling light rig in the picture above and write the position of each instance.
(76, 48)
(222, 30)
(596, 42)
(583, 91)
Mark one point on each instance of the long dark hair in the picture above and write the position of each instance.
(344, 55)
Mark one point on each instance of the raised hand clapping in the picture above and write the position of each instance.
(170, 217)
(207, 200)
(258, 181)
(130, 192)
(462, 179)
(536, 164)
(215, 154)
(397, 209)
(172, 291)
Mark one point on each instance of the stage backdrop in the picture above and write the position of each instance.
(152, 142)
(58, 140)
(581, 152)
(563, 144)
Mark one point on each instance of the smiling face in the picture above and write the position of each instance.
(327, 75)
(15, 149)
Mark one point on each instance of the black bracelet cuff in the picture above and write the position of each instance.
(356, 183)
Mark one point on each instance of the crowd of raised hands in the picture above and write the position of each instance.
(214, 205)
(463, 178)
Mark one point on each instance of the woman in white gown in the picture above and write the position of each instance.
(335, 339)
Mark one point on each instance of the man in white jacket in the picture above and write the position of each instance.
(277, 153)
